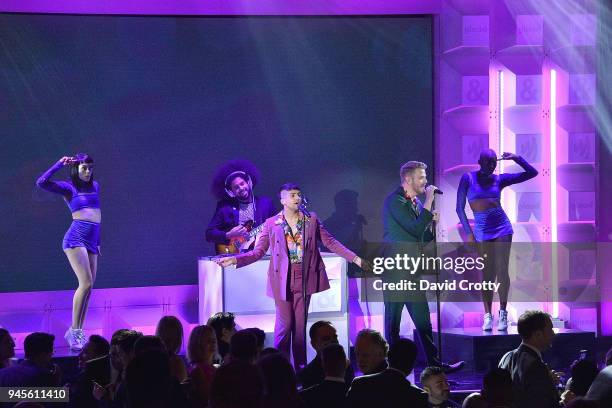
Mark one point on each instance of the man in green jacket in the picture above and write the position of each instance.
(407, 227)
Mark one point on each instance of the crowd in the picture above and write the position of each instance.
(226, 368)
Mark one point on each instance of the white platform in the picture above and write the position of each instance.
(243, 292)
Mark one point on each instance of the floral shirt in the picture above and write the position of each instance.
(295, 245)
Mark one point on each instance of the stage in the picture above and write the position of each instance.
(442, 121)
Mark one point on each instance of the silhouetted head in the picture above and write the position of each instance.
(7, 346)
(38, 347)
(322, 333)
(487, 161)
(535, 327)
(583, 375)
(202, 345)
(333, 360)
(371, 350)
(243, 346)
(497, 387)
(170, 331)
(402, 355)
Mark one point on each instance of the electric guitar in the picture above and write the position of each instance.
(240, 244)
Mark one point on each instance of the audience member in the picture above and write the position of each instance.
(243, 346)
(260, 336)
(170, 331)
(608, 359)
(434, 382)
(150, 383)
(601, 388)
(96, 347)
(7, 348)
(371, 351)
(124, 343)
(331, 391)
(474, 400)
(497, 388)
(280, 382)
(236, 384)
(224, 325)
(322, 334)
(534, 384)
(36, 370)
(94, 361)
(201, 351)
(389, 388)
(122, 352)
(583, 374)
(149, 343)
(496, 391)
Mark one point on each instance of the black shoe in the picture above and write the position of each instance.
(451, 368)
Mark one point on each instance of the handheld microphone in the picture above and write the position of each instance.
(438, 191)
(304, 210)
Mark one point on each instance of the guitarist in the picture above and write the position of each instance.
(238, 209)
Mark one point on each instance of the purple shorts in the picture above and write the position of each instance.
(83, 234)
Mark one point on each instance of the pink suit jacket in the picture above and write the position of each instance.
(273, 236)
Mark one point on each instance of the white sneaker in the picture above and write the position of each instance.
(75, 339)
(488, 322)
(81, 338)
(502, 323)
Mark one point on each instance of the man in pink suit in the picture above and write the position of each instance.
(289, 264)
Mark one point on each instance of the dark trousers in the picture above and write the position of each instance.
(419, 312)
(415, 302)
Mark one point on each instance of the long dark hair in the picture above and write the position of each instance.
(74, 172)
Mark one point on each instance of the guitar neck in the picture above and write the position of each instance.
(255, 231)
(234, 246)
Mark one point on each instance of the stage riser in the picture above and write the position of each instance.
(483, 352)
(138, 308)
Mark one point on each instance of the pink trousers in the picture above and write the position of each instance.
(290, 326)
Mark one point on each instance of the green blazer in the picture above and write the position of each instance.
(401, 222)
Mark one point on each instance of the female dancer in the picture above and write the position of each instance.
(491, 224)
(82, 240)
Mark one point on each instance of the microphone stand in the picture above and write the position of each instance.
(437, 272)
(305, 213)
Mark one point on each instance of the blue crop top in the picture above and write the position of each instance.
(75, 199)
(473, 187)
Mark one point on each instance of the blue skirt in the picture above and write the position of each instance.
(83, 234)
(490, 224)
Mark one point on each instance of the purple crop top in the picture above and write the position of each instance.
(75, 199)
(474, 187)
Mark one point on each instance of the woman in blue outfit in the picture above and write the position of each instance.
(81, 242)
(492, 228)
